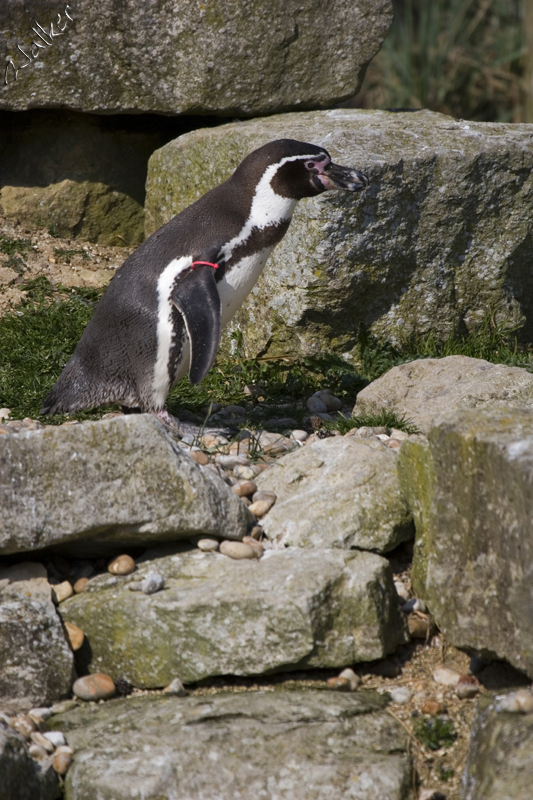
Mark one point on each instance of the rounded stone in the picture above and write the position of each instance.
(400, 695)
(244, 488)
(432, 707)
(200, 457)
(56, 738)
(446, 676)
(42, 741)
(467, 686)
(350, 675)
(122, 565)
(94, 687)
(420, 626)
(260, 507)
(76, 636)
(258, 547)
(256, 532)
(80, 585)
(244, 472)
(62, 759)
(23, 724)
(316, 406)
(237, 550)
(208, 545)
(176, 688)
(38, 752)
(62, 591)
(153, 583)
(299, 436)
(339, 684)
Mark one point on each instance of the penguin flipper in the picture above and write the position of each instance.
(196, 298)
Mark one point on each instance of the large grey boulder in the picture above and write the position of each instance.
(337, 492)
(182, 58)
(441, 234)
(499, 765)
(292, 609)
(36, 663)
(471, 491)
(423, 389)
(22, 778)
(118, 482)
(292, 745)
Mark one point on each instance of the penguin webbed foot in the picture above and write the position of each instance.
(181, 429)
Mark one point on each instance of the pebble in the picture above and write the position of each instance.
(467, 686)
(200, 457)
(94, 687)
(121, 565)
(23, 724)
(350, 676)
(299, 436)
(383, 437)
(394, 444)
(260, 507)
(446, 676)
(153, 583)
(245, 473)
(4, 414)
(62, 759)
(62, 591)
(40, 714)
(214, 441)
(42, 741)
(208, 545)
(231, 461)
(176, 688)
(420, 626)
(246, 501)
(339, 684)
(414, 605)
(253, 390)
(38, 752)
(188, 439)
(80, 585)
(401, 590)
(63, 706)
(258, 547)
(399, 435)
(244, 488)
(520, 702)
(237, 550)
(75, 635)
(316, 406)
(239, 410)
(256, 532)
(56, 738)
(432, 707)
(401, 695)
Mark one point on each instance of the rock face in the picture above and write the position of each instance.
(421, 390)
(292, 609)
(337, 492)
(22, 778)
(36, 663)
(97, 485)
(498, 765)
(127, 56)
(471, 491)
(441, 234)
(288, 745)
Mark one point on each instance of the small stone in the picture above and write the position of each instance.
(383, 437)
(38, 739)
(176, 688)
(401, 590)
(214, 441)
(246, 501)
(299, 436)
(94, 687)
(316, 406)
(80, 585)
(121, 565)
(394, 444)
(62, 759)
(75, 635)
(432, 707)
(245, 473)
(123, 687)
(339, 684)
(63, 706)
(231, 461)
(399, 435)
(401, 695)
(350, 675)
(257, 532)
(244, 488)
(520, 702)
(153, 583)
(260, 507)
(258, 547)
(239, 411)
(420, 625)
(37, 752)
(446, 676)
(23, 724)
(4, 414)
(237, 550)
(467, 686)
(208, 545)
(332, 403)
(40, 714)
(200, 457)
(56, 738)
(414, 605)
(62, 591)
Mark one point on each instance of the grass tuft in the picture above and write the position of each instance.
(434, 732)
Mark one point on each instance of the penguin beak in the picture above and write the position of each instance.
(344, 178)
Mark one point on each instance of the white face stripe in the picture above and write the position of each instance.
(161, 380)
(268, 207)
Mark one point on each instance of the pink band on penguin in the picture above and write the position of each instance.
(205, 263)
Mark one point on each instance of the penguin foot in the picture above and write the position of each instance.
(181, 429)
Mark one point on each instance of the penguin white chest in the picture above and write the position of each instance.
(238, 282)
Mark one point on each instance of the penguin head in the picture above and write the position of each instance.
(299, 169)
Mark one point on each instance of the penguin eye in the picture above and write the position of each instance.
(310, 165)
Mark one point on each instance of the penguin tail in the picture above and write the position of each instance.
(67, 395)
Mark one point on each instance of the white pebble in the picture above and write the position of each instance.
(520, 702)
(350, 676)
(56, 737)
(232, 461)
(237, 550)
(300, 436)
(446, 676)
(176, 688)
(208, 545)
(401, 695)
(153, 582)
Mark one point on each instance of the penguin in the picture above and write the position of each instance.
(164, 309)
